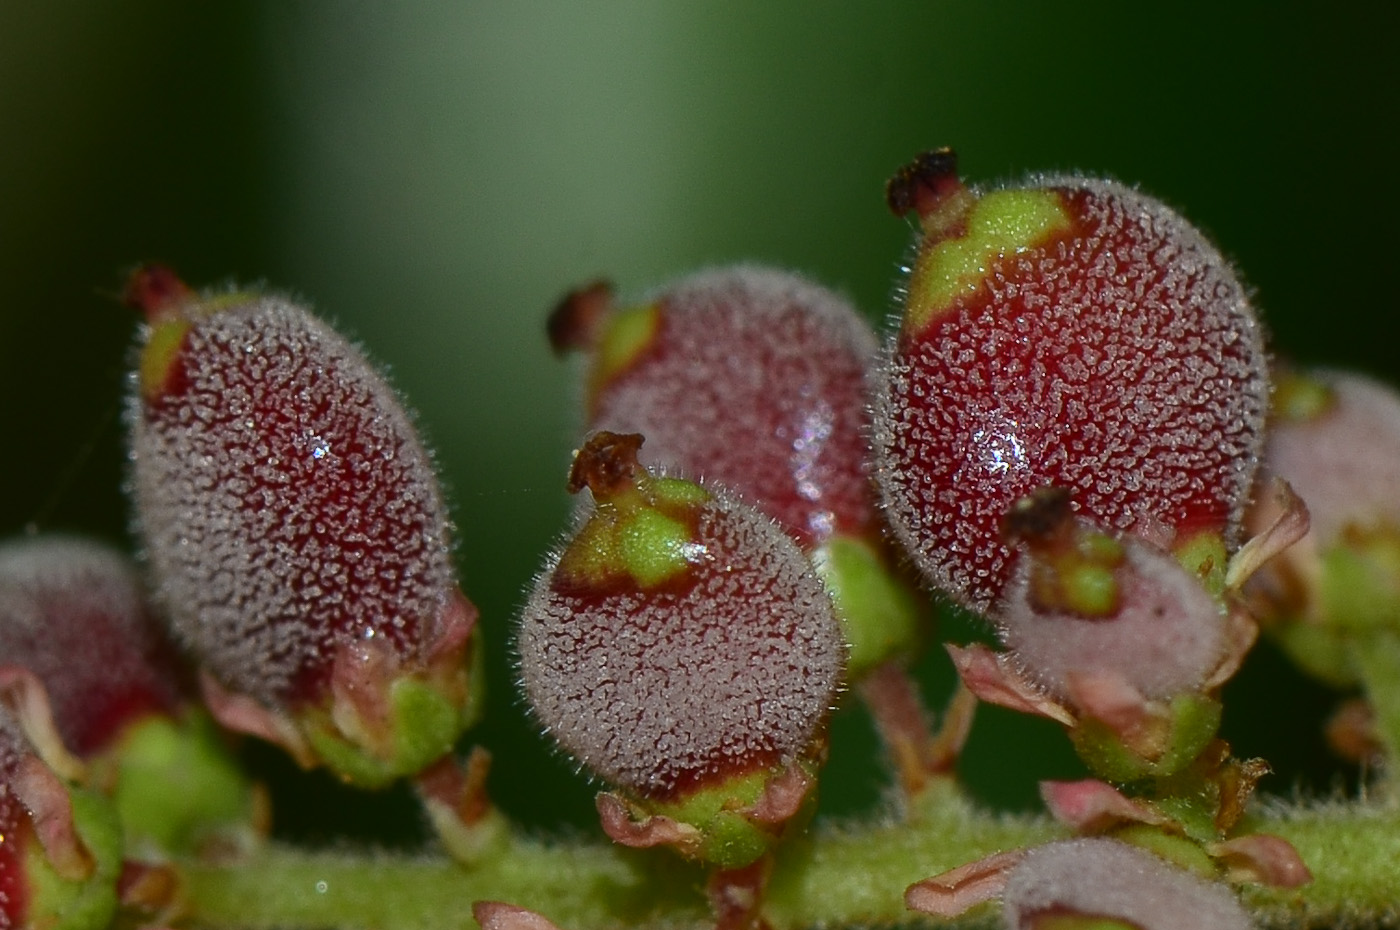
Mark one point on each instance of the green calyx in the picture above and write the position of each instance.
(625, 337)
(642, 530)
(1178, 850)
(998, 224)
(1191, 722)
(174, 320)
(730, 837)
(1359, 587)
(1299, 398)
(880, 615)
(56, 903)
(1077, 573)
(1356, 598)
(1204, 556)
(176, 786)
(424, 716)
(159, 357)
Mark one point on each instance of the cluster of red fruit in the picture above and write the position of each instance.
(1063, 435)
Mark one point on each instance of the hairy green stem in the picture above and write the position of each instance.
(1353, 851)
(1377, 658)
(576, 885)
(836, 876)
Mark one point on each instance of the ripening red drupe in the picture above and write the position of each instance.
(72, 611)
(680, 638)
(285, 501)
(1069, 332)
(747, 376)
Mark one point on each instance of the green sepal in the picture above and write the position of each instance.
(1177, 850)
(56, 903)
(176, 785)
(626, 336)
(1192, 804)
(1359, 585)
(1001, 223)
(425, 721)
(643, 534)
(881, 616)
(1205, 557)
(1321, 651)
(728, 837)
(1377, 659)
(1192, 722)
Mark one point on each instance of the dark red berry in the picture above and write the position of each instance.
(296, 530)
(747, 376)
(285, 501)
(1073, 332)
(680, 638)
(72, 612)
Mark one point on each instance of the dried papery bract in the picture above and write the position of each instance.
(1069, 332)
(755, 379)
(297, 535)
(680, 648)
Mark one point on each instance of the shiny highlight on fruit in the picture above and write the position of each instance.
(1071, 332)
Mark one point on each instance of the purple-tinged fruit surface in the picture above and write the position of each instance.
(1074, 333)
(680, 639)
(1164, 637)
(1113, 881)
(72, 611)
(286, 504)
(756, 379)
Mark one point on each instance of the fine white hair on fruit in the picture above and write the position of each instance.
(1166, 637)
(1344, 462)
(654, 689)
(73, 612)
(284, 499)
(756, 379)
(1123, 362)
(1104, 878)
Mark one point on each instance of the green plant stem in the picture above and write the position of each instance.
(1377, 658)
(836, 876)
(1353, 851)
(576, 885)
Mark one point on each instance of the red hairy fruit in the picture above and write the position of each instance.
(1119, 607)
(680, 639)
(747, 376)
(1069, 332)
(296, 530)
(755, 379)
(72, 612)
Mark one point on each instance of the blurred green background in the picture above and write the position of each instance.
(434, 176)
